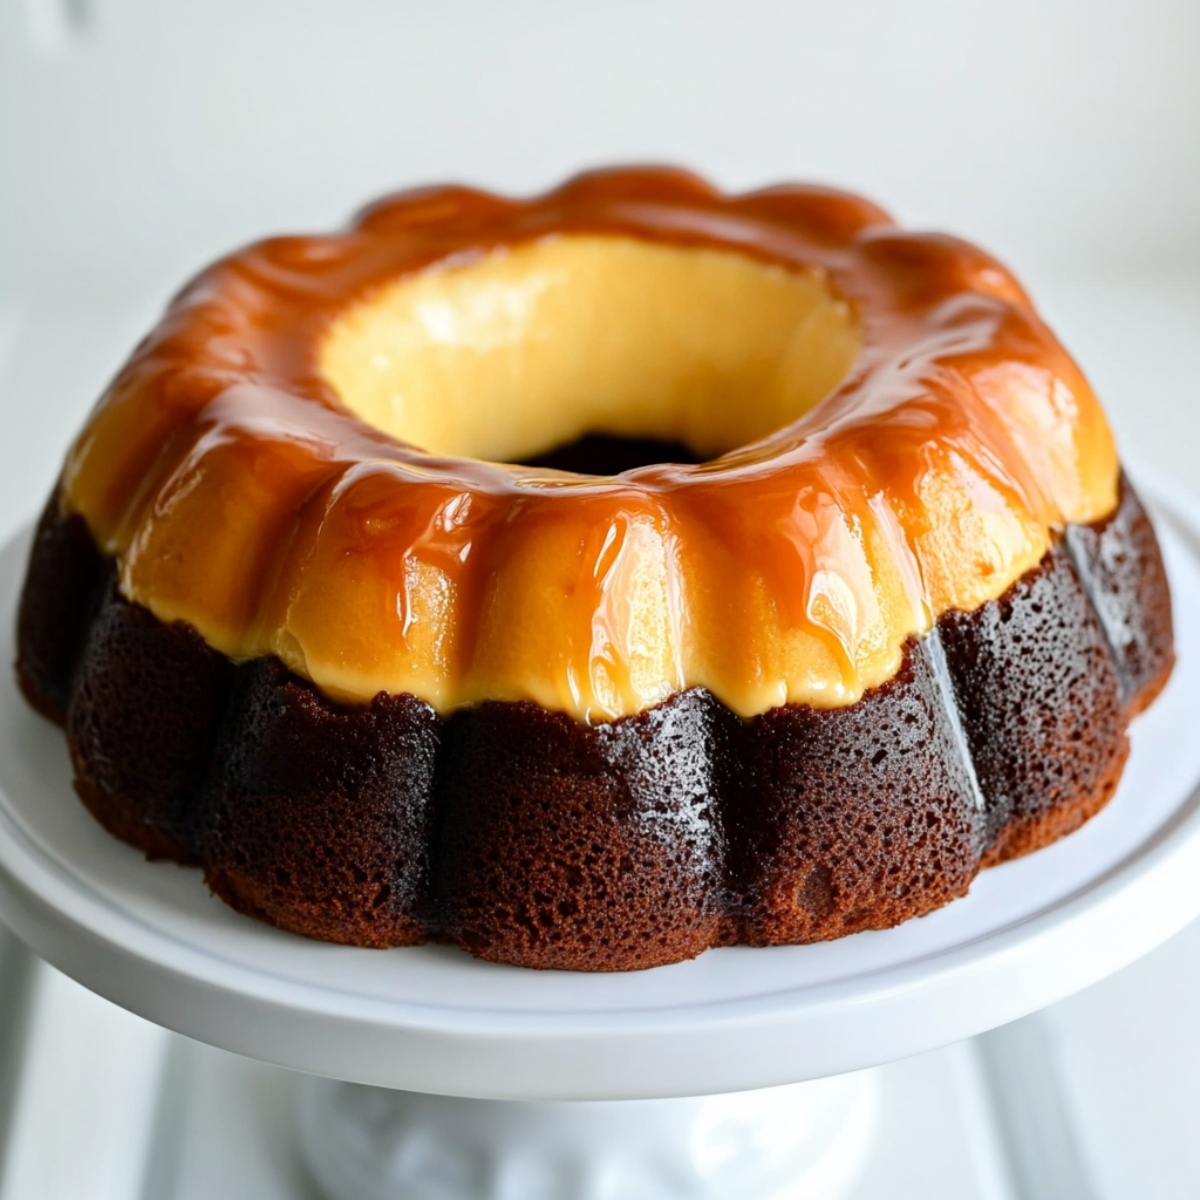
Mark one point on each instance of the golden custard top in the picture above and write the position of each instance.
(313, 453)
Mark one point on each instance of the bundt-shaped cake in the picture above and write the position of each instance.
(594, 579)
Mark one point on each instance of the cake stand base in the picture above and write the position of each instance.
(807, 1140)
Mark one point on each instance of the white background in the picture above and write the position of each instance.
(1063, 135)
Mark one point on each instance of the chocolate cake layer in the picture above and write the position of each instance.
(63, 585)
(852, 818)
(317, 816)
(1041, 706)
(142, 723)
(1119, 562)
(561, 846)
(528, 838)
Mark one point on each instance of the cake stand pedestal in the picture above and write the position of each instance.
(805, 1140)
(417, 1050)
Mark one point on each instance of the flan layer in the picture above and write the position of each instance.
(282, 464)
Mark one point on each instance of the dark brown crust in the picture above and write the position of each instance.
(1041, 706)
(147, 704)
(63, 584)
(527, 838)
(561, 846)
(852, 818)
(1121, 563)
(317, 815)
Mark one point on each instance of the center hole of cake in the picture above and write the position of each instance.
(591, 349)
(603, 454)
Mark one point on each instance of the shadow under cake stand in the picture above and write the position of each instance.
(742, 1073)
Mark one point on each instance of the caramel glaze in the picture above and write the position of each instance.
(241, 495)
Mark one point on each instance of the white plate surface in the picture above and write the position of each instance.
(149, 936)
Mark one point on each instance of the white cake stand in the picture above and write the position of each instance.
(440, 1037)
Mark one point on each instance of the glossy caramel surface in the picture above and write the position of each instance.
(242, 493)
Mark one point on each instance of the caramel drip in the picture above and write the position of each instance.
(240, 494)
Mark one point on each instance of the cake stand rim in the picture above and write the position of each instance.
(763, 1040)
